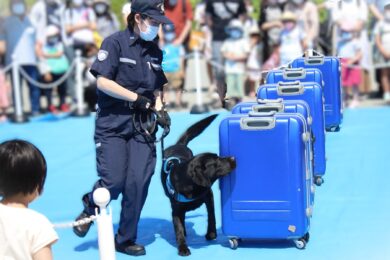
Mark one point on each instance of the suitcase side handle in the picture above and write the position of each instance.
(296, 83)
(261, 101)
(314, 60)
(270, 107)
(290, 89)
(294, 73)
(257, 123)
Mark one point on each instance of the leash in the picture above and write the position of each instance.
(148, 128)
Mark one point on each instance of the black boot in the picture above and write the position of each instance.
(130, 248)
(82, 230)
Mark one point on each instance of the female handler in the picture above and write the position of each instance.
(130, 81)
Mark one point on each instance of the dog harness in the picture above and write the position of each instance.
(167, 168)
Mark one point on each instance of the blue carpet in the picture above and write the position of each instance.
(351, 211)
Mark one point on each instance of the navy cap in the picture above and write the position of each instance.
(152, 8)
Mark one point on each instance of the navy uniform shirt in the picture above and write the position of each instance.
(131, 62)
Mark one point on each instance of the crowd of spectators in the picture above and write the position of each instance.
(237, 40)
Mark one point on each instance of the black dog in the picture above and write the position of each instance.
(187, 181)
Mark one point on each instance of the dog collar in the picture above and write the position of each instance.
(167, 168)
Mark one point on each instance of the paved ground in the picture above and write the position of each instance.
(351, 213)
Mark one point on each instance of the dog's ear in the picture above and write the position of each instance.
(200, 177)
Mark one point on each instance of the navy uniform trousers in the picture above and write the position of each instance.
(125, 163)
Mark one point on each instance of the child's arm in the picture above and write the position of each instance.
(268, 25)
(55, 55)
(44, 254)
(357, 58)
(234, 57)
(182, 54)
(58, 54)
(2, 47)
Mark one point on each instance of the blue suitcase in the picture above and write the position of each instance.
(282, 106)
(295, 74)
(267, 196)
(331, 73)
(277, 105)
(311, 93)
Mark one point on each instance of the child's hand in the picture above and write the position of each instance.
(181, 74)
(48, 77)
(387, 55)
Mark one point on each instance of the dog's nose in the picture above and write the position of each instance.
(232, 162)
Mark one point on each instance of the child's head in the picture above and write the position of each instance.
(52, 35)
(78, 3)
(254, 33)
(347, 30)
(22, 169)
(169, 33)
(387, 11)
(101, 7)
(289, 20)
(235, 29)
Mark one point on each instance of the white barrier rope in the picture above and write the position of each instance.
(375, 66)
(48, 85)
(75, 223)
(6, 69)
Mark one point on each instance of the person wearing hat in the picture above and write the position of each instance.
(292, 39)
(382, 41)
(57, 65)
(255, 59)
(235, 51)
(106, 21)
(130, 82)
(173, 66)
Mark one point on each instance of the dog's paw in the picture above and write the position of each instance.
(211, 236)
(184, 250)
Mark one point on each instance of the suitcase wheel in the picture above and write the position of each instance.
(318, 180)
(334, 129)
(301, 243)
(233, 242)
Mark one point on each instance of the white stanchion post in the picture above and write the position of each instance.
(101, 197)
(18, 116)
(80, 108)
(199, 107)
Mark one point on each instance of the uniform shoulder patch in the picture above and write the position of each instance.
(102, 55)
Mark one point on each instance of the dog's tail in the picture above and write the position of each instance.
(195, 130)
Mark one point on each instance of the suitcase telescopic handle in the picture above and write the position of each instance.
(294, 73)
(270, 107)
(290, 88)
(314, 60)
(257, 123)
(261, 101)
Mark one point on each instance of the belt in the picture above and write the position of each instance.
(128, 104)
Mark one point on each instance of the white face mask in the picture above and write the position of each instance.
(18, 8)
(297, 2)
(101, 9)
(77, 2)
(387, 15)
(150, 33)
(51, 2)
(250, 9)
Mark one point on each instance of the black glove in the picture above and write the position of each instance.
(163, 118)
(142, 103)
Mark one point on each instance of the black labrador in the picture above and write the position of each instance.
(187, 181)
